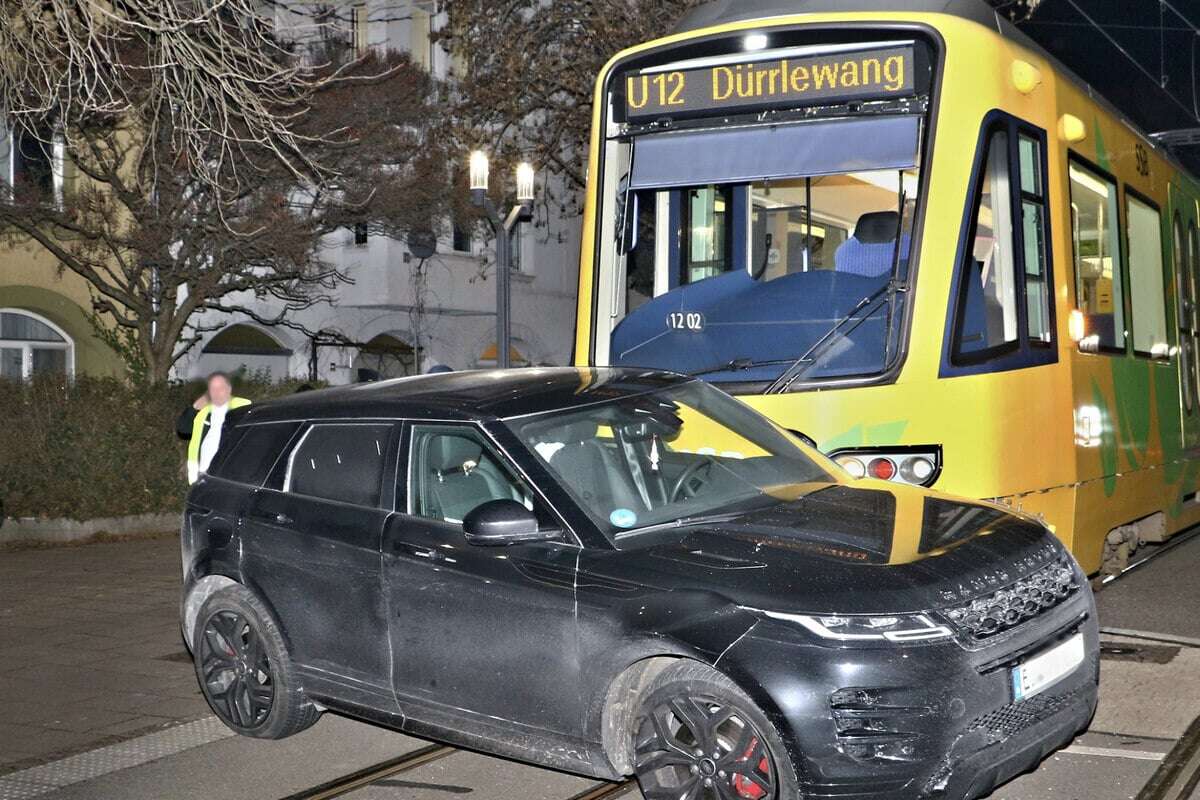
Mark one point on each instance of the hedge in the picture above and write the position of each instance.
(96, 447)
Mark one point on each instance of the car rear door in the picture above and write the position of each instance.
(311, 547)
(479, 633)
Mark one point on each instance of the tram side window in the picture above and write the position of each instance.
(1097, 240)
(1033, 238)
(988, 317)
(707, 245)
(1144, 235)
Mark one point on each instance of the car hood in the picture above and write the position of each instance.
(838, 548)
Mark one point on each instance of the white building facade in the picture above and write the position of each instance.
(409, 315)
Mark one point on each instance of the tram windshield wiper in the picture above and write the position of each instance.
(888, 291)
(739, 364)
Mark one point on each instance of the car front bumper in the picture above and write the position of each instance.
(924, 721)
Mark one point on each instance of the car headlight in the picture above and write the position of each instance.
(849, 628)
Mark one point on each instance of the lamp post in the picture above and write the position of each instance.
(503, 227)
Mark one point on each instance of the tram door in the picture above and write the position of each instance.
(1186, 255)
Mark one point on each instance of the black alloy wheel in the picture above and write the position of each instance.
(236, 670)
(691, 747)
(244, 667)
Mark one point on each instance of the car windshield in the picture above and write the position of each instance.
(669, 457)
(780, 270)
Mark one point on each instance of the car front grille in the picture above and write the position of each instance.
(1022, 600)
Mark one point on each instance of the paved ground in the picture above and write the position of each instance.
(91, 664)
(90, 647)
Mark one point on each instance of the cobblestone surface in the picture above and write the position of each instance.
(90, 648)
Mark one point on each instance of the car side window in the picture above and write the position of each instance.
(452, 470)
(250, 452)
(340, 461)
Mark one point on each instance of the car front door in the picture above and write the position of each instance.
(477, 632)
(311, 546)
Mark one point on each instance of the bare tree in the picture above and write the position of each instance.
(215, 74)
(181, 157)
(528, 69)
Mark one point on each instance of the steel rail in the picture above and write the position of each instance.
(1183, 537)
(368, 775)
(420, 757)
(606, 790)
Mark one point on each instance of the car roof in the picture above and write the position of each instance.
(467, 396)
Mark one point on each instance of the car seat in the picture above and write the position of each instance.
(593, 471)
(460, 478)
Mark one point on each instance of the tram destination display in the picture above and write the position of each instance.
(757, 85)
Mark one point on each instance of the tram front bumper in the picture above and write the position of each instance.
(934, 721)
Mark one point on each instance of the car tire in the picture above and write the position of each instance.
(735, 755)
(244, 669)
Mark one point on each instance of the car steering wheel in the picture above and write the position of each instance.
(690, 481)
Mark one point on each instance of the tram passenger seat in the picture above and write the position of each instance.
(869, 251)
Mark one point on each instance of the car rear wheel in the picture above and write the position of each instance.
(697, 736)
(244, 669)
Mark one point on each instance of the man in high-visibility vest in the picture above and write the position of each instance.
(201, 424)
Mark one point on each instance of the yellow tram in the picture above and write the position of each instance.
(915, 238)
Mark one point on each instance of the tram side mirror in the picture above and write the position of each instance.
(501, 522)
(627, 217)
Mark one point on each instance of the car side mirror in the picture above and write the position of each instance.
(501, 522)
(804, 437)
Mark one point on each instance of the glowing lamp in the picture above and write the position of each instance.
(479, 171)
(525, 182)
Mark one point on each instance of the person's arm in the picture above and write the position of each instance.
(183, 425)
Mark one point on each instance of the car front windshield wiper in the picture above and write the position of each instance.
(683, 522)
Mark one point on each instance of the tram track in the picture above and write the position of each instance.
(1166, 547)
(414, 759)
(376, 772)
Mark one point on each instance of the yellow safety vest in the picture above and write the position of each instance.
(193, 450)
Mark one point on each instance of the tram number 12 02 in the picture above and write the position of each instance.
(690, 321)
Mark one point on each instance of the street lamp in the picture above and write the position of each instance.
(503, 228)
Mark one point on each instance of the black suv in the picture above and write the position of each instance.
(621, 572)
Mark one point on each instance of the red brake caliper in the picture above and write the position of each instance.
(744, 786)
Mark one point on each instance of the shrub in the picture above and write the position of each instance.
(96, 447)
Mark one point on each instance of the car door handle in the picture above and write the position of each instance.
(272, 517)
(419, 551)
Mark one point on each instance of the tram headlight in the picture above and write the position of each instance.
(914, 465)
(755, 41)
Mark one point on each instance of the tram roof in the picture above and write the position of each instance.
(722, 12)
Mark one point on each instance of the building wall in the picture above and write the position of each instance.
(30, 280)
(445, 307)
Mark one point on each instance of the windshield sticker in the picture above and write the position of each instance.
(623, 518)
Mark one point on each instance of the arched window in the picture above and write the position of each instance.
(241, 347)
(33, 345)
(386, 356)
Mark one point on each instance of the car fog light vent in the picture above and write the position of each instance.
(852, 698)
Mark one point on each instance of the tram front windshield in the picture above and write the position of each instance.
(778, 255)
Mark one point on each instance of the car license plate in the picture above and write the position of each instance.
(1043, 671)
